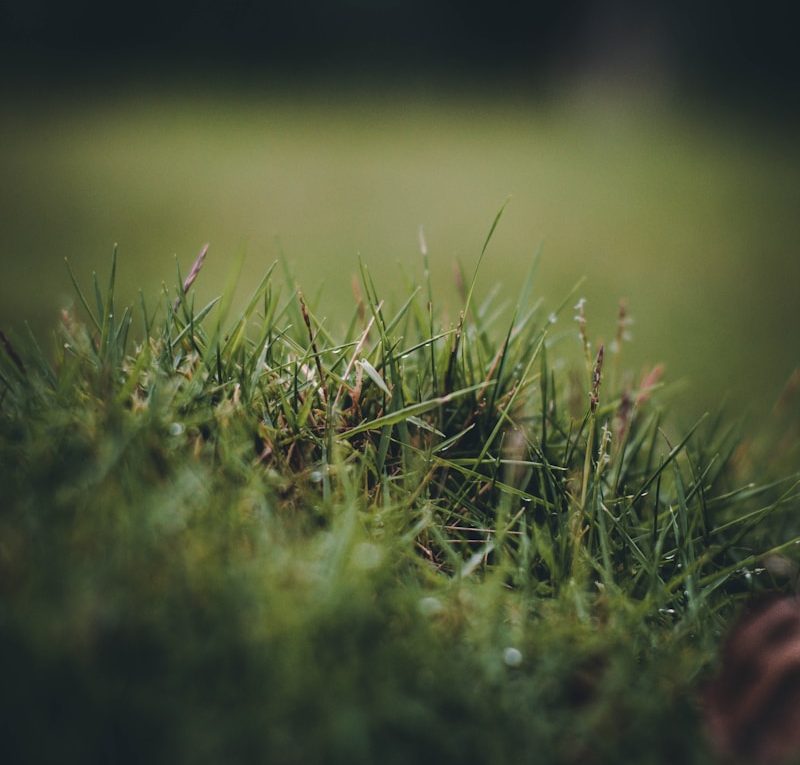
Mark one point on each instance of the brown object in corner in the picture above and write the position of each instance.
(753, 706)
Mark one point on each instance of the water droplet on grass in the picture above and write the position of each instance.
(430, 606)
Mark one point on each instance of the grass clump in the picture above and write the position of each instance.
(254, 538)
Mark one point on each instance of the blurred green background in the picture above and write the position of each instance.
(691, 213)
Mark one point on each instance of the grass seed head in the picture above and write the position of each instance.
(597, 375)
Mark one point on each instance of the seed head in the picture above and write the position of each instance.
(597, 373)
(580, 317)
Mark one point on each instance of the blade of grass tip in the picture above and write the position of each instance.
(238, 336)
(271, 303)
(145, 318)
(259, 291)
(81, 296)
(180, 299)
(98, 299)
(398, 316)
(483, 253)
(527, 285)
(423, 247)
(368, 283)
(108, 315)
(451, 364)
(225, 306)
(567, 299)
(112, 283)
(290, 309)
(121, 335)
(471, 363)
(492, 302)
(525, 326)
(375, 376)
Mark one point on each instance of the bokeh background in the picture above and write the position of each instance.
(652, 150)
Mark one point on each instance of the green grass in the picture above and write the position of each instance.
(242, 536)
(690, 214)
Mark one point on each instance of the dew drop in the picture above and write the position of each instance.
(430, 606)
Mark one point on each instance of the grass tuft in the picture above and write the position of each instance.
(254, 537)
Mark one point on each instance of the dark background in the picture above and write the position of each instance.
(740, 50)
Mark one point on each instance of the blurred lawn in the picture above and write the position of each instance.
(693, 218)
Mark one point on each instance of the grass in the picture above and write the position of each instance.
(690, 214)
(240, 536)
